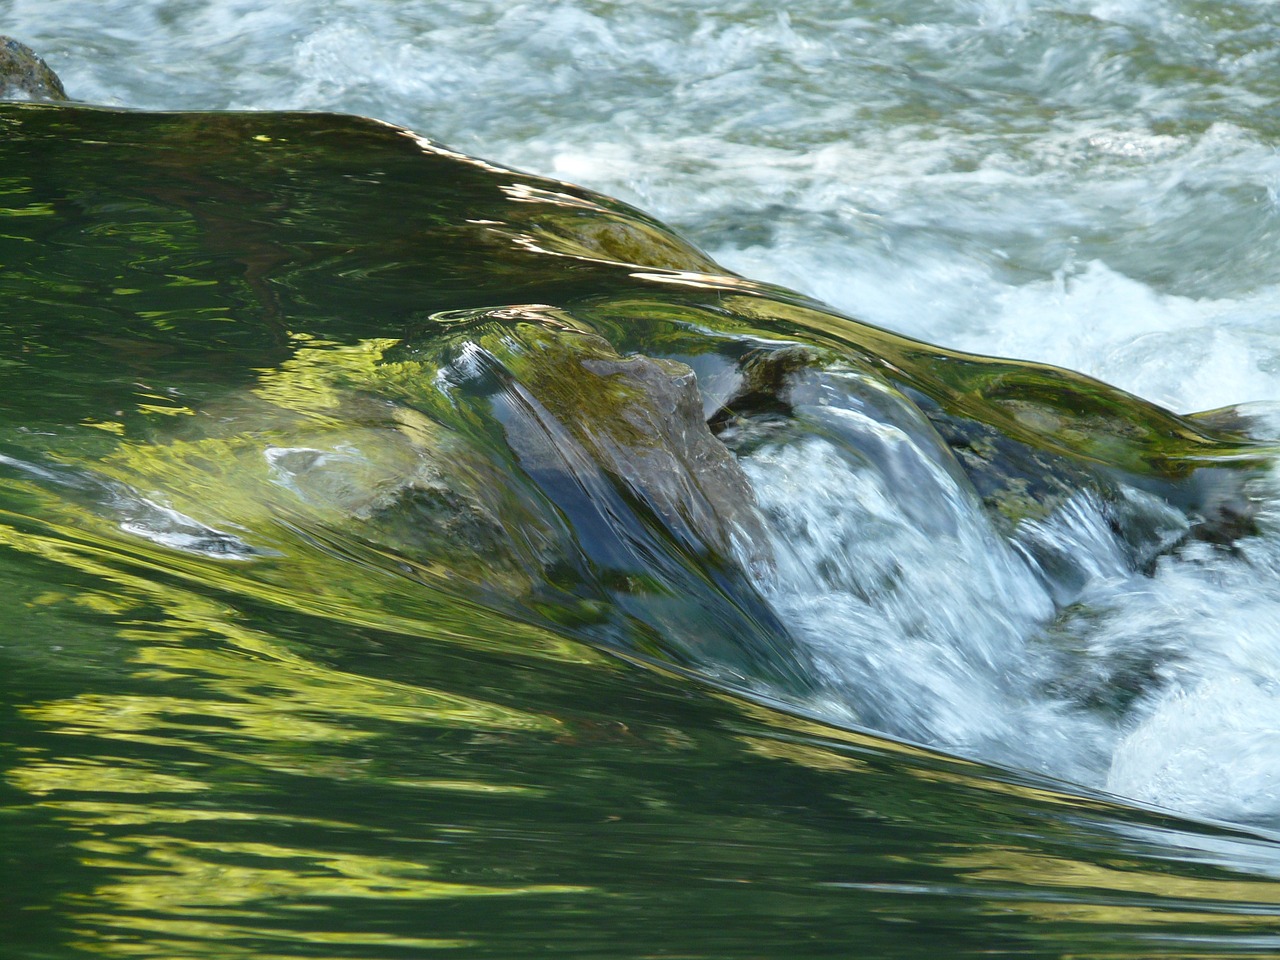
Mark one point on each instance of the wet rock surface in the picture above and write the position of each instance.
(1015, 480)
(25, 76)
(663, 518)
(571, 405)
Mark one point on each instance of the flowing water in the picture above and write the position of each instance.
(406, 555)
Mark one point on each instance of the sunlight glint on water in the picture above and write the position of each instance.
(1088, 183)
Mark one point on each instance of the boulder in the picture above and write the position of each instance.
(25, 76)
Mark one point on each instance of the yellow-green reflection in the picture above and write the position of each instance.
(191, 897)
(260, 706)
(231, 699)
(39, 778)
(211, 879)
(163, 940)
(1012, 865)
(216, 468)
(356, 589)
(804, 754)
(261, 692)
(116, 813)
(246, 775)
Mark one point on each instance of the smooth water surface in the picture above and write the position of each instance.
(313, 651)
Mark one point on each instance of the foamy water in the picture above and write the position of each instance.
(1092, 184)
(1050, 652)
(1088, 183)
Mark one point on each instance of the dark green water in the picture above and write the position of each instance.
(237, 724)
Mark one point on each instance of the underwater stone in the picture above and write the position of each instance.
(662, 518)
(1014, 479)
(640, 420)
(24, 75)
(672, 442)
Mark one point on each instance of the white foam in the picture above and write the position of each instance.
(1164, 687)
(1213, 750)
(926, 632)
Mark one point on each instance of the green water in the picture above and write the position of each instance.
(297, 734)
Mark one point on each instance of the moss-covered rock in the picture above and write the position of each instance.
(25, 76)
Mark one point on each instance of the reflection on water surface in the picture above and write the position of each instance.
(283, 678)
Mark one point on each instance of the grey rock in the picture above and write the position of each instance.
(25, 76)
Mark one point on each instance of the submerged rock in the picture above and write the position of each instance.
(24, 75)
(498, 398)
(1078, 446)
(660, 517)
(638, 419)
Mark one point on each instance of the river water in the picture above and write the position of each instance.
(236, 723)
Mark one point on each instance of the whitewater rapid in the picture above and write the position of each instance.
(1092, 183)
(1049, 651)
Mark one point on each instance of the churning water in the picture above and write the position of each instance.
(1090, 183)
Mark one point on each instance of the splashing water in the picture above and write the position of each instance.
(951, 637)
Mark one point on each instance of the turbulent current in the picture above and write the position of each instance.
(411, 553)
